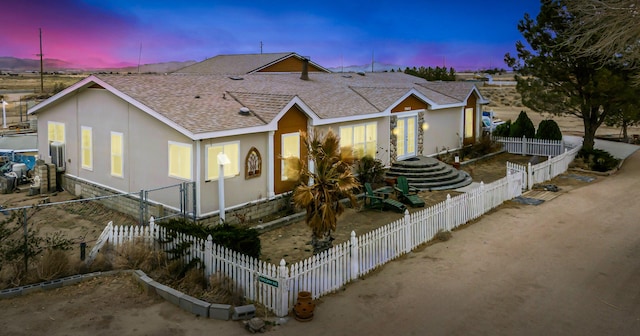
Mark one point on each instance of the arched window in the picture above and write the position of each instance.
(253, 164)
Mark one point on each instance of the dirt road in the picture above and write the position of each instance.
(570, 266)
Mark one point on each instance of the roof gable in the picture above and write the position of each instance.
(241, 64)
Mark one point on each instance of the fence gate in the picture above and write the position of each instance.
(174, 201)
(518, 170)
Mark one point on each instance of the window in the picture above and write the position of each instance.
(232, 150)
(180, 160)
(86, 148)
(468, 122)
(55, 132)
(290, 152)
(117, 156)
(362, 139)
(252, 164)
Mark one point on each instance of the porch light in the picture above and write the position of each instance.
(425, 126)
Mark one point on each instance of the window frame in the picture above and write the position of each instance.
(84, 148)
(227, 173)
(121, 154)
(56, 124)
(190, 160)
(352, 142)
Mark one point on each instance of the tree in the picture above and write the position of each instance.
(552, 78)
(523, 126)
(320, 189)
(608, 30)
(548, 129)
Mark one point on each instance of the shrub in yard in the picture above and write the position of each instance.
(523, 126)
(369, 170)
(53, 264)
(138, 255)
(503, 130)
(548, 129)
(443, 235)
(223, 290)
(239, 239)
(598, 159)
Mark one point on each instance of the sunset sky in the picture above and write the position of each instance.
(466, 35)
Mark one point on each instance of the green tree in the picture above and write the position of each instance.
(523, 126)
(548, 129)
(625, 105)
(320, 189)
(552, 78)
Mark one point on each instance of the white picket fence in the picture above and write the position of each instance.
(524, 146)
(276, 287)
(543, 171)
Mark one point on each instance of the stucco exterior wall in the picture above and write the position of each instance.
(441, 129)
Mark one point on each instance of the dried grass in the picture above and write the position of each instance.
(53, 264)
(138, 255)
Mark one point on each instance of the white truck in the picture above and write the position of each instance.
(490, 122)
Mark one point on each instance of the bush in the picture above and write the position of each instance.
(139, 255)
(598, 159)
(523, 126)
(239, 239)
(503, 130)
(53, 264)
(548, 129)
(369, 170)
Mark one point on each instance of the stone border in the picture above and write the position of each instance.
(188, 303)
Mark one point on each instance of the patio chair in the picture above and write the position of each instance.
(408, 194)
(371, 200)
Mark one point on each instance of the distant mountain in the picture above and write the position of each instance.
(13, 64)
(377, 67)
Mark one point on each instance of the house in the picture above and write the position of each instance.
(128, 133)
(244, 64)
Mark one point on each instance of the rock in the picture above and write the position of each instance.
(254, 325)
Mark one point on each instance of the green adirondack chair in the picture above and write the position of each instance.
(371, 200)
(407, 193)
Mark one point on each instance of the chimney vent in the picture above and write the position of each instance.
(305, 69)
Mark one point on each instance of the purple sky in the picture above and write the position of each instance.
(466, 35)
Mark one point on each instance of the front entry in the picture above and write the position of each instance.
(406, 137)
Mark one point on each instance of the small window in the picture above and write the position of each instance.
(117, 154)
(253, 164)
(55, 132)
(180, 160)
(232, 150)
(87, 148)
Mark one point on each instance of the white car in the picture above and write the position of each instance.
(489, 125)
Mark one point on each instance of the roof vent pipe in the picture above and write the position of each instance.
(305, 69)
(244, 111)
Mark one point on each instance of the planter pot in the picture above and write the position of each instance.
(304, 307)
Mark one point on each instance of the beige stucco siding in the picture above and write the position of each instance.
(442, 130)
(238, 190)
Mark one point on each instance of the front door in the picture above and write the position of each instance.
(406, 137)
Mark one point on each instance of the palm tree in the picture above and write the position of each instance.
(319, 191)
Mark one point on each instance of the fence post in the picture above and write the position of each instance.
(208, 251)
(449, 220)
(524, 145)
(152, 229)
(407, 232)
(529, 176)
(283, 289)
(142, 214)
(355, 267)
(482, 198)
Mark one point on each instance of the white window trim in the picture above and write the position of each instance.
(180, 144)
(352, 127)
(64, 127)
(111, 153)
(206, 159)
(90, 129)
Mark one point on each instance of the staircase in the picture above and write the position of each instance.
(427, 173)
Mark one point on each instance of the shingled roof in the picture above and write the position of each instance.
(203, 105)
(239, 64)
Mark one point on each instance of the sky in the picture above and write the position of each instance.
(463, 34)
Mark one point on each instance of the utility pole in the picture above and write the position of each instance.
(41, 64)
(260, 47)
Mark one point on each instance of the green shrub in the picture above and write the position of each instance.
(239, 239)
(548, 129)
(523, 126)
(598, 159)
(503, 130)
(369, 170)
